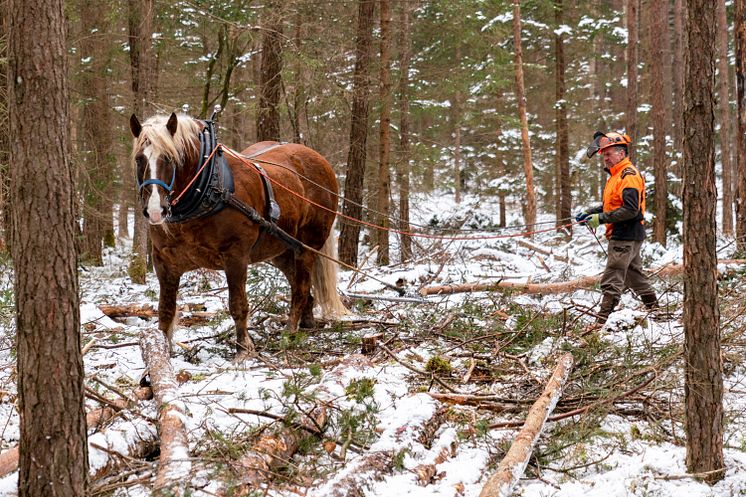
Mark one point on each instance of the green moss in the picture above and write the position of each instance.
(438, 365)
(137, 270)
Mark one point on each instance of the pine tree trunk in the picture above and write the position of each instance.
(353, 189)
(140, 33)
(563, 153)
(658, 39)
(270, 86)
(4, 137)
(678, 77)
(530, 207)
(53, 445)
(384, 141)
(97, 143)
(500, 161)
(405, 54)
(724, 104)
(632, 57)
(456, 112)
(740, 49)
(703, 387)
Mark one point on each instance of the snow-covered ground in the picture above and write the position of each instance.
(380, 406)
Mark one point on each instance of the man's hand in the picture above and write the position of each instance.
(581, 218)
(593, 221)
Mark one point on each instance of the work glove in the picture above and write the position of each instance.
(593, 221)
(580, 218)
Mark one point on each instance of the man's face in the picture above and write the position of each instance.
(612, 156)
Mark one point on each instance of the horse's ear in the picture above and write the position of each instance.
(135, 126)
(172, 124)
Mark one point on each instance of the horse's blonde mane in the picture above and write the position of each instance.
(178, 146)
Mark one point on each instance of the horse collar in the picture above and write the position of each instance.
(213, 181)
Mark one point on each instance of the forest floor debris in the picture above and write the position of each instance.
(433, 404)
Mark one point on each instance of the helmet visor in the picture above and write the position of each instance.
(594, 147)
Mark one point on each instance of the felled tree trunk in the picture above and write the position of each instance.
(549, 288)
(514, 463)
(95, 418)
(274, 451)
(174, 465)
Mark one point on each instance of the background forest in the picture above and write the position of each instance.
(465, 118)
(458, 95)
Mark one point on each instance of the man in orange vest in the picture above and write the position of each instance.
(623, 212)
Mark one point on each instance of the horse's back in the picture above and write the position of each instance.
(304, 184)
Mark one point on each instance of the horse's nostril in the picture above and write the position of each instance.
(145, 213)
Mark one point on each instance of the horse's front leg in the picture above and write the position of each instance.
(168, 281)
(235, 273)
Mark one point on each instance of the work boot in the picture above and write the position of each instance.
(650, 301)
(656, 312)
(608, 304)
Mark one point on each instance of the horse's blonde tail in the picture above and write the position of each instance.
(324, 281)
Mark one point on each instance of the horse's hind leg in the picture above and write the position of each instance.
(301, 304)
(301, 311)
(235, 273)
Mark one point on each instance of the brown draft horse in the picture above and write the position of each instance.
(166, 154)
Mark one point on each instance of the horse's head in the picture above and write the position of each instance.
(164, 149)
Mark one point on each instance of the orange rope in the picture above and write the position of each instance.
(371, 225)
(186, 189)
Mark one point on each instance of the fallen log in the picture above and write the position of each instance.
(196, 312)
(514, 463)
(174, 465)
(94, 419)
(361, 472)
(541, 250)
(274, 451)
(550, 288)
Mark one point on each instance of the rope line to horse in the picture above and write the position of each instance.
(381, 214)
(383, 228)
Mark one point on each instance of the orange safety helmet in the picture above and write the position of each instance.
(602, 141)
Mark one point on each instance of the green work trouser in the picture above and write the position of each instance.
(624, 270)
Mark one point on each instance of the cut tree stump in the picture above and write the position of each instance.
(550, 288)
(514, 463)
(174, 466)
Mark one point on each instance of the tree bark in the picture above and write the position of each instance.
(703, 387)
(740, 49)
(678, 80)
(270, 87)
(724, 104)
(632, 57)
(405, 54)
(50, 366)
(659, 39)
(275, 450)
(97, 142)
(140, 21)
(4, 137)
(501, 483)
(353, 189)
(384, 141)
(530, 207)
(174, 465)
(563, 153)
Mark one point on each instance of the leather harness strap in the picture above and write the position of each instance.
(270, 226)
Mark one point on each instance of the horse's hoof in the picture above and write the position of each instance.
(244, 353)
(244, 356)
